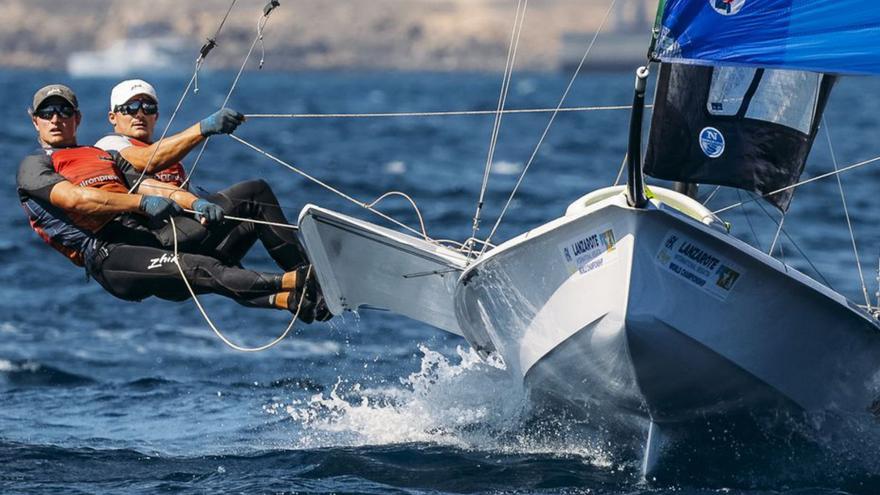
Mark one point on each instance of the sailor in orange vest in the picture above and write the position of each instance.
(77, 200)
(134, 111)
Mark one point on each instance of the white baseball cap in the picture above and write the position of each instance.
(126, 90)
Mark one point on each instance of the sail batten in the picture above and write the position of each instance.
(839, 36)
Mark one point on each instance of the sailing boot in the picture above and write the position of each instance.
(307, 298)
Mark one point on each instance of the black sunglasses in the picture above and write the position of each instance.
(63, 111)
(132, 108)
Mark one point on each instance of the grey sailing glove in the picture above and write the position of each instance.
(159, 208)
(223, 121)
(207, 210)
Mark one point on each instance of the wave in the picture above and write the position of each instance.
(408, 468)
(149, 383)
(288, 382)
(34, 374)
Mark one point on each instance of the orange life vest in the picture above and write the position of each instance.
(87, 166)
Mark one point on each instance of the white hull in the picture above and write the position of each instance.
(642, 325)
(650, 340)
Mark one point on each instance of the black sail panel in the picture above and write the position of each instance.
(735, 126)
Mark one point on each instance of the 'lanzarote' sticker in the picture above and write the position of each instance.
(698, 266)
(588, 252)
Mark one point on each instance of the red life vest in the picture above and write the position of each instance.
(174, 174)
(87, 166)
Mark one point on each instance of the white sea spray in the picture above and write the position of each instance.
(465, 403)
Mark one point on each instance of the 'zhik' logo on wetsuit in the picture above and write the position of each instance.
(161, 260)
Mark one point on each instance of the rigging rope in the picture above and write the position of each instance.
(549, 124)
(210, 44)
(432, 114)
(519, 19)
(261, 23)
(877, 294)
(849, 225)
(801, 183)
(211, 324)
(331, 188)
(411, 202)
(776, 237)
(711, 195)
(796, 246)
(745, 213)
(203, 54)
(620, 170)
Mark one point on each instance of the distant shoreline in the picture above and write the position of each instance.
(311, 35)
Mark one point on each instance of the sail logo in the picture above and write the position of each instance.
(727, 7)
(712, 142)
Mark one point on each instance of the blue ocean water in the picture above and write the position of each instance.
(99, 395)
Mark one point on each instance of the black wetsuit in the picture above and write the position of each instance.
(230, 240)
(123, 255)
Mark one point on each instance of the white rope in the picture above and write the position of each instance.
(167, 127)
(211, 324)
(776, 237)
(877, 311)
(452, 113)
(518, 21)
(549, 124)
(620, 170)
(261, 23)
(801, 183)
(711, 195)
(251, 220)
(411, 202)
(849, 225)
(327, 186)
(193, 80)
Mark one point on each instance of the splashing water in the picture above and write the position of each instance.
(469, 404)
(433, 405)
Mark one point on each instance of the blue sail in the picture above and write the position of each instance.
(831, 36)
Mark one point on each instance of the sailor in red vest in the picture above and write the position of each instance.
(134, 110)
(77, 200)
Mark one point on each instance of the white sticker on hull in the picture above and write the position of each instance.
(698, 266)
(587, 252)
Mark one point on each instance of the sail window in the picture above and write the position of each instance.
(787, 98)
(782, 97)
(728, 90)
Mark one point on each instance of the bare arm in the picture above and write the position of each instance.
(89, 200)
(153, 187)
(168, 151)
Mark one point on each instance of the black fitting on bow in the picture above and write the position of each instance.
(635, 186)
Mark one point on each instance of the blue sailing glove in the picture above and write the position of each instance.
(159, 208)
(223, 121)
(207, 210)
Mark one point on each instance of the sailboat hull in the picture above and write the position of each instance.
(674, 322)
(652, 321)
